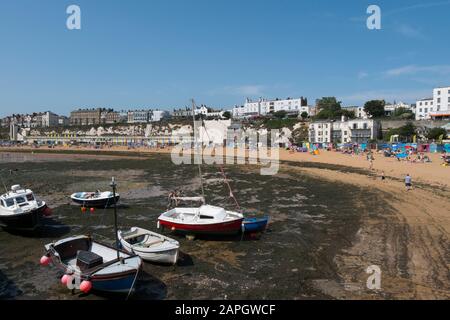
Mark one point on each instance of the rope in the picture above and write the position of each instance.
(222, 171)
(132, 285)
(229, 188)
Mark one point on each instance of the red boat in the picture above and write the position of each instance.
(205, 219)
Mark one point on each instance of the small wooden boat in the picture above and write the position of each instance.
(150, 246)
(254, 224)
(20, 210)
(87, 260)
(206, 219)
(95, 199)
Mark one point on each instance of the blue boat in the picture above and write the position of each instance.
(254, 224)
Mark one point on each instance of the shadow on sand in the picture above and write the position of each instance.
(49, 228)
(8, 289)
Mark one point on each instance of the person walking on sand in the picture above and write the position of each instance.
(383, 177)
(408, 182)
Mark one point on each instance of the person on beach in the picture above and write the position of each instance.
(408, 182)
(383, 177)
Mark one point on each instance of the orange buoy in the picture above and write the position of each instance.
(83, 209)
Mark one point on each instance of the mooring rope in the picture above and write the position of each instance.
(132, 285)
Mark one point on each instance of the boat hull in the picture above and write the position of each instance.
(25, 221)
(120, 284)
(162, 257)
(96, 203)
(222, 228)
(254, 224)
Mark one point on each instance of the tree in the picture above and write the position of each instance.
(300, 135)
(280, 114)
(304, 115)
(407, 131)
(329, 108)
(436, 133)
(329, 104)
(375, 108)
(226, 115)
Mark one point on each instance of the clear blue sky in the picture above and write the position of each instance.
(161, 53)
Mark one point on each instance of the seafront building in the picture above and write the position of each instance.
(344, 131)
(436, 107)
(85, 117)
(263, 107)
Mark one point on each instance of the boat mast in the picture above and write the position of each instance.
(114, 185)
(197, 154)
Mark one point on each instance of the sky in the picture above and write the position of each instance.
(161, 53)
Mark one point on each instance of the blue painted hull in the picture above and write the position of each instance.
(255, 224)
(122, 284)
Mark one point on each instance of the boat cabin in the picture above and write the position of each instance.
(18, 196)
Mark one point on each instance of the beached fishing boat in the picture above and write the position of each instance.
(95, 199)
(95, 265)
(206, 219)
(20, 209)
(254, 224)
(150, 246)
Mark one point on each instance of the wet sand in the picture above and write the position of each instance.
(331, 219)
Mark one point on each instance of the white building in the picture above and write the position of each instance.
(264, 107)
(441, 101)
(344, 131)
(138, 116)
(359, 112)
(437, 107)
(390, 108)
(158, 115)
(423, 108)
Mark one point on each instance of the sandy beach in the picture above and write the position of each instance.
(409, 241)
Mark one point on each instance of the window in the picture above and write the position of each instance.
(345, 133)
(2, 203)
(439, 100)
(30, 197)
(20, 200)
(426, 110)
(420, 103)
(9, 202)
(365, 125)
(426, 103)
(439, 92)
(448, 99)
(420, 110)
(355, 126)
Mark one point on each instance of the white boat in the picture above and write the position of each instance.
(206, 219)
(95, 199)
(19, 209)
(150, 246)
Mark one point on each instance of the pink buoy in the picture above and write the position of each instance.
(45, 260)
(66, 279)
(85, 286)
(173, 229)
(92, 210)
